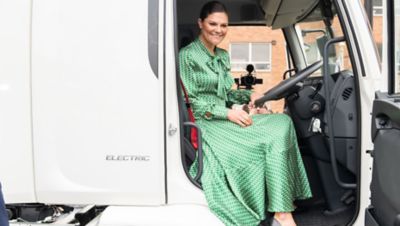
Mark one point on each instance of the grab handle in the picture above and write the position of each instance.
(329, 114)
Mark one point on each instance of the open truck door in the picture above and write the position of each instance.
(385, 186)
(385, 132)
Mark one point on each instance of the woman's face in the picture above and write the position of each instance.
(214, 28)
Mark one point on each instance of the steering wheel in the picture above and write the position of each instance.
(288, 86)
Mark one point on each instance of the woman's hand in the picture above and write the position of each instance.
(264, 110)
(239, 117)
(260, 110)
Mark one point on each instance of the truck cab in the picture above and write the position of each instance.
(94, 128)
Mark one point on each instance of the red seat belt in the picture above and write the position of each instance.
(193, 131)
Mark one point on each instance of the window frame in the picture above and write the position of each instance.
(250, 61)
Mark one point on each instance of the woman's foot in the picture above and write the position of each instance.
(284, 219)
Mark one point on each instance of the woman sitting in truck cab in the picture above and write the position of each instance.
(252, 164)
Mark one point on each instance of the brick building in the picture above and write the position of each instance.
(266, 49)
(277, 58)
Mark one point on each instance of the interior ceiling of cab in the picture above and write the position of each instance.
(281, 13)
(274, 13)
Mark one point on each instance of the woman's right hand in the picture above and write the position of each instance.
(239, 117)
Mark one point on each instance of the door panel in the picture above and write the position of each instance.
(16, 164)
(97, 104)
(385, 185)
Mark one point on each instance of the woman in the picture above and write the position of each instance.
(251, 162)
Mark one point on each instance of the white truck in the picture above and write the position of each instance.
(92, 121)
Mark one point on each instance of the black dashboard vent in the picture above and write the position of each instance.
(347, 93)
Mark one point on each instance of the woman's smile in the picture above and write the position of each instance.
(213, 29)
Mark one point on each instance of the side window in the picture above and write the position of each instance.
(378, 7)
(258, 54)
(377, 24)
(314, 35)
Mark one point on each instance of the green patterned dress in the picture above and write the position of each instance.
(247, 171)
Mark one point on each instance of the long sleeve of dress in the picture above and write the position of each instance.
(239, 96)
(201, 107)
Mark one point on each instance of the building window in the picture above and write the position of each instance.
(258, 54)
(377, 7)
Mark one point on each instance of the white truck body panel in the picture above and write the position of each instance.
(78, 91)
(171, 215)
(180, 189)
(97, 105)
(16, 165)
(369, 81)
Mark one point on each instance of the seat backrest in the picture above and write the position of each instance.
(188, 149)
(185, 36)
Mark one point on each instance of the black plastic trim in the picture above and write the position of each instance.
(390, 46)
(152, 35)
(369, 217)
(369, 10)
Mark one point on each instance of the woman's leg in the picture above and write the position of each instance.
(286, 178)
(285, 218)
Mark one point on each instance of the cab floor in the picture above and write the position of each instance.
(316, 217)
